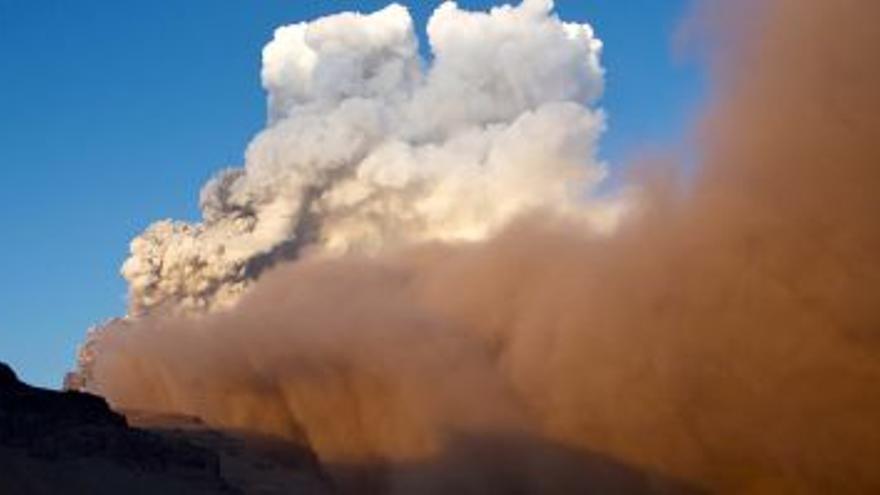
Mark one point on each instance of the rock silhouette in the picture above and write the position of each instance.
(72, 442)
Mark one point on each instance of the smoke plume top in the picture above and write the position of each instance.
(724, 336)
(368, 146)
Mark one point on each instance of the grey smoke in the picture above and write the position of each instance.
(368, 146)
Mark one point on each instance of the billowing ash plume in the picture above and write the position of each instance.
(369, 146)
(723, 338)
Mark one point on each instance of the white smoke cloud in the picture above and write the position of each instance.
(368, 146)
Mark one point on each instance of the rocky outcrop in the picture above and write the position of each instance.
(72, 442)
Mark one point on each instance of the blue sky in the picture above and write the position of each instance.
(113, 113)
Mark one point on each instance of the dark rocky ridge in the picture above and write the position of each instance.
(72, 442)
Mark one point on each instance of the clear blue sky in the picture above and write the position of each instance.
(114, 112)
